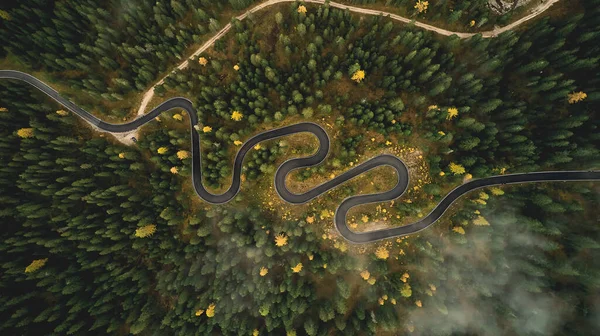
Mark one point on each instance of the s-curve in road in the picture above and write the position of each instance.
(292, 164)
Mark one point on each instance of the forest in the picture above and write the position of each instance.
(103, 238)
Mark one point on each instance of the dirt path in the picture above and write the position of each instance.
(543, 6)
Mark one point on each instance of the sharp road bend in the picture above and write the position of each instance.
(542, 7)
(292, 164)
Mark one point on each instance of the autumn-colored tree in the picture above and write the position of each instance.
(281, 239)
(297, 268)
(145, 231)
(62, 112)
(302, 9)
(210, 311)
(421, 6)
(382, 252)
(36, 265)
(406, 291)
(481, 221)
(365, 275)
(496, 191)
(237, 116)
(178, 117)
(183, 154)
(236, 67)
(162, 150)
(459, 230)
(174, 170)
(263, 271)
(203, 61)
(25, 132)
(452, 113)
(456, 169)
(206, 129)
(576, 97)
(358, 76)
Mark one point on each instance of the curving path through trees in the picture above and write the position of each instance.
(293, 164)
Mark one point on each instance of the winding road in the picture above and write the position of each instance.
(297, 163)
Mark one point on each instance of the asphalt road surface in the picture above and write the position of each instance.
(297, 163)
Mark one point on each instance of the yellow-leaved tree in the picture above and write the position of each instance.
(210, 311)
(206, 129)
(281, 239)
(145, 231)
(297, 268)
(382, 252)
(496, 191)
(182, 154)
(263, 271)
(481, 221)
(365, 275)
(178, 117)
(456, 169)
(358, 76)
(62, 113)
(302, 9)
(174, 170)
(576, 97)
(203, 61)
(421, 6)
(162, 150)
(459, 230)
(236, 115)
(452, 113)
(25, 133)
(36, 265)
(406, 291)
